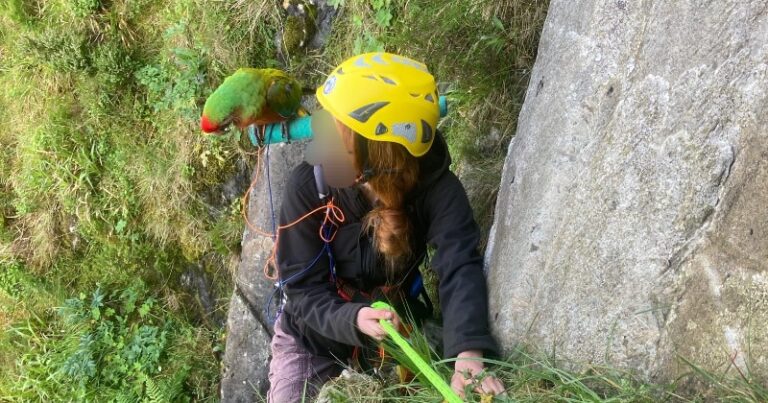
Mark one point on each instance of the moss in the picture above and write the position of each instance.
(299, 27)
(294, 35)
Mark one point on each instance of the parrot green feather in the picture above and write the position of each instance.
(251, 95)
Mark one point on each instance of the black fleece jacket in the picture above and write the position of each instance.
(441, 216)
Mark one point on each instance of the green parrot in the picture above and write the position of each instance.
(252, 96)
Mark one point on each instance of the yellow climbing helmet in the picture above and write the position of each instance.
(384, 97)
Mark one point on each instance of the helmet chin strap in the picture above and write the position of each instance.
(361, 150)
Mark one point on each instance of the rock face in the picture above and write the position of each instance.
(249, 331)
(632, 220)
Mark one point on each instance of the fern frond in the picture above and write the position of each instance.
(154, 392)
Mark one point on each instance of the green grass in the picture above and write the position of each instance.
(109, 193)
(107, 181)
(532, 377)
(120, 345)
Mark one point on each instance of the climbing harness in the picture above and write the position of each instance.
(333, 218)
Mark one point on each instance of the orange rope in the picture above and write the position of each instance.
(333, 216)
(244, 208)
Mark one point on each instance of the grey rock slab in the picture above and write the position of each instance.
(631, 225)
(249, 331)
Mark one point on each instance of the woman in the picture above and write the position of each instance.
(387, 168)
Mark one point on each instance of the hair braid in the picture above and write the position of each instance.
(397, 174)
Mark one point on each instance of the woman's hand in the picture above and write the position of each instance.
(468, 366)
(368, 322)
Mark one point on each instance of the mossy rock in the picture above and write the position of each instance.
(300, 25)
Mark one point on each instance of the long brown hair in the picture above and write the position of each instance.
(396, 173)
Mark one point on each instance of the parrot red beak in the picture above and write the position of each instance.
(207, 126)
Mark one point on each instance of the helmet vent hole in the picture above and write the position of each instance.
(340, 71)
(378, 59)
(415, 95)
(370, 77)
(381, 129)
(363, 114)
(388, 80)
(430, 98)
(360, 62)
(426, 132)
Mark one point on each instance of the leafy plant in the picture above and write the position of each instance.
(13, 279)
(107, 344)
(382, 12)
(84, 8)
(374, 22)
(175, 83)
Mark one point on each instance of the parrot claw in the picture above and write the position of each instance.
(286, 132)
(256, 134)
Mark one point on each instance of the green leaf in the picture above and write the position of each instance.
(384, 17)
(120, 226)
(129, 297)
(146, 307)
(497, 23)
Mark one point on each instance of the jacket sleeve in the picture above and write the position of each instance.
(462, 289)
(304, 265)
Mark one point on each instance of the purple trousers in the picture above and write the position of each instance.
(295, 374)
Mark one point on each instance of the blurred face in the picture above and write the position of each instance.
(332, 146)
